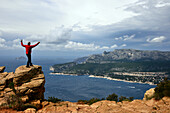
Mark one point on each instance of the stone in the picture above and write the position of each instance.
(6, 90)
(28, 83)
(44, 103)
(10, 76)
(149, 94)
(30, 110)
(24, 74)
(2, 68)
(25, 98)
(34, 83)
(36, 103)
(2, 102)
(2, 83)
(3, 75)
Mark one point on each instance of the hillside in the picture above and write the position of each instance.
(124, 64)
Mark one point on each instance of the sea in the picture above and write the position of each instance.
(74, 88)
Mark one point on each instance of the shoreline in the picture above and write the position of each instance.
(108, 78)
(63, 74)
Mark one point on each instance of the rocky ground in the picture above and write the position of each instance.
(30, 82)
(105, 106)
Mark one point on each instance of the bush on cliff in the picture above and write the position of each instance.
(122, 98)
(53, 99)
(162, 89)
(112, 97)
(91, 101)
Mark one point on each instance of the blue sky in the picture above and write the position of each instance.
(82, 27)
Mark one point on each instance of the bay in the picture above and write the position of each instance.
(73, 88)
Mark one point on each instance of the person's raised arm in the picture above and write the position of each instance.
(22, 44)
(35, 44)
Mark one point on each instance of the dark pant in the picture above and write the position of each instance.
(29, 60)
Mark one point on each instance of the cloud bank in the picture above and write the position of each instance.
(96, 26)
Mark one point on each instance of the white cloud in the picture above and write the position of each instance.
(119, 38)
(123, 45)
(156, 39)
(38, 17)
(125, 37)
(89, 47)
(2, 43)
(2, 40)
(80, 46)
(162, 4)
(113, 46)
(128, 37)
(56, 36)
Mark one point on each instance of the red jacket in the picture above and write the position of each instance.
(29, 47)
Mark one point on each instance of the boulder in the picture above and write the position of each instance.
(149, 94)
(27, 83)
(30, 110)
(2, 68)
(24, 74)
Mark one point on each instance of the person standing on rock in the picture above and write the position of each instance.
(28, 51)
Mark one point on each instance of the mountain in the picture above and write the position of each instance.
(127, 54)
(123, 64)
(20, 58)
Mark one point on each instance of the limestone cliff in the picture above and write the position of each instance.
(28, 83)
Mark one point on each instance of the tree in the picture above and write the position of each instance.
(122, 98)
(112, 97)
(162, 89)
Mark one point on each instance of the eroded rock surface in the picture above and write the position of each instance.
(2, 68)
(28, 83)
(105, 106)
(149, 94)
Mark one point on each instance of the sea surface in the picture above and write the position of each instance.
(74, 88)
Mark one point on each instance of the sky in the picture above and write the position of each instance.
(74, 28)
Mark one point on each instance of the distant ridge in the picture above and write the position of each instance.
(126, 54)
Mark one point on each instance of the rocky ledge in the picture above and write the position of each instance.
(27, 83)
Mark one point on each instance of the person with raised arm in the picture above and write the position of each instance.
(28, 51)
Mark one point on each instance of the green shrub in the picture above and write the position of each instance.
(11, 85)
(53, 99)
(122, 98)
(112, 97)
(91, 101)
(162, 89)
(14, 102)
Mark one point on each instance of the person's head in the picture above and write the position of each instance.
(29, 43)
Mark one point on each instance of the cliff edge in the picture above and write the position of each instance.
(25, 83)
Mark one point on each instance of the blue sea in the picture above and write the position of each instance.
(73, 88)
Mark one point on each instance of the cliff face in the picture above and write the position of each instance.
(28, 83)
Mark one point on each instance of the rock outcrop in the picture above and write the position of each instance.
(28, 83)
(105, 106)
(2, 69)
(149, 94)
